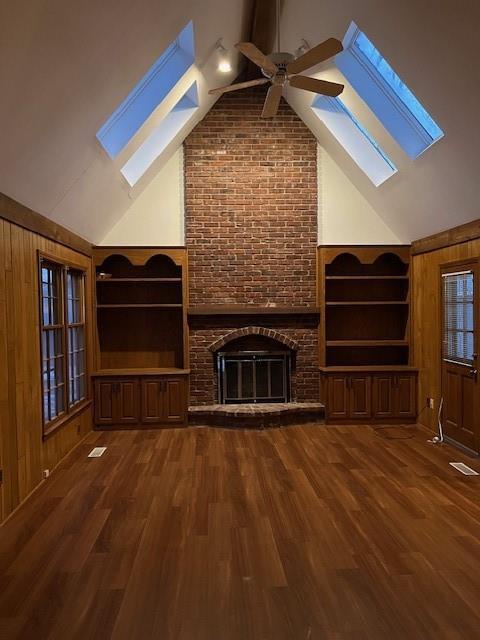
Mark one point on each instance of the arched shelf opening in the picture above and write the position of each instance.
(386, 264)
(158, 266)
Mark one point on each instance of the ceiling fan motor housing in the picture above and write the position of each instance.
(281, 59)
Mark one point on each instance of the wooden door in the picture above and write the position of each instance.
(383, 396)
(126, 402)
(460, 323)
(104, 401)
(405, 396)
(359, 396)
(175, 400)
(337, 400)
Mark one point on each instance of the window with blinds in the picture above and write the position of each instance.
(458, 317)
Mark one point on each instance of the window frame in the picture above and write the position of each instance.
(70, 408)
(375, 91)
(453, 268)
(355, 139)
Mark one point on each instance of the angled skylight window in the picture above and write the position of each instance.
(386, 94)
(161, 136)
(354, 138)
(147, 94)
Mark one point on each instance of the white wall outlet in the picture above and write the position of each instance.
(430, 403)
(46, 473)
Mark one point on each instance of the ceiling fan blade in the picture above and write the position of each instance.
(321, 52)
(332, 89)
(272, 101)
(255, 55)
(239, 85)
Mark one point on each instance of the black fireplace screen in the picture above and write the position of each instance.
(254, 377)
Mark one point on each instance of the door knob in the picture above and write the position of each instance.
(473, 372)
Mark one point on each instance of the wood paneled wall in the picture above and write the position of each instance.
(23, 453)
(427, 321)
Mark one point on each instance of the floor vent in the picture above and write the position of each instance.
(96, 452)
(463, 468)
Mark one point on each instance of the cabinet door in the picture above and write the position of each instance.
(152, 400)
(126, 402)
(337, 399)
(175, 400)
(104, 401)
(383, 393)
(164, 400)
(405, 396)
(360, 404)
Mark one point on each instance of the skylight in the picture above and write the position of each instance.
(161, 136)
(354, 138)
(386, 94)
(147, 94)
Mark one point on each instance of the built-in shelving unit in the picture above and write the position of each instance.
(364, 296)
(142, 336)
(141, 299)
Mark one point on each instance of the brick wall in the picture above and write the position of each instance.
(251, 226)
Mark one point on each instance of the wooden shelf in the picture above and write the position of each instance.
(246, 309)
(139, 306)
(367, 343)
(382, 368)
(365, 303)
(155, 371)
(366, 277)
(139, 280)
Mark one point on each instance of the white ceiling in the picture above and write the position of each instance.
(65, 67)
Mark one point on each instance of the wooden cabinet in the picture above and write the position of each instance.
(349, 396)
(140, 400)
(361, 397)
(116, 401)
(360, 403)
(163, 401)
(405, 396)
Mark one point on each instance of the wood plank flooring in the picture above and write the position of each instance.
(299, 533)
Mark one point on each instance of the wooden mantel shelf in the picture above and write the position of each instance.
(249, 310)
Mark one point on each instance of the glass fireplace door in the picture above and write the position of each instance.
(254, 377)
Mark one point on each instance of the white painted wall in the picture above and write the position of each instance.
(156, 217)
(344, 215)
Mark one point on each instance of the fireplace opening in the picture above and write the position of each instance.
(254, 376)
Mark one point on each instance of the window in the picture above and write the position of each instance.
(394, 104)
(147, 94)
(354, 138)
(161, 136)
(62, 308)
(458, 317)
(76, 337)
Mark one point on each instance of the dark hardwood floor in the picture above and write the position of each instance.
(298, 533)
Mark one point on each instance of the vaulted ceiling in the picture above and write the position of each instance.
(64, 68)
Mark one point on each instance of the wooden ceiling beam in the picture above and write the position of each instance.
(263, 31)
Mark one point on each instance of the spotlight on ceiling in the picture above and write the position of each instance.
(303, 48)
(223, 62)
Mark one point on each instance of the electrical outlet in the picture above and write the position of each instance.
(430, 403)
(46, 473)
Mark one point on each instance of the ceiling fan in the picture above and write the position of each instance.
(281, 68)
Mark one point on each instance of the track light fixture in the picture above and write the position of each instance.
(224, 65)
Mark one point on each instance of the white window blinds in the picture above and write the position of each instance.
(458, 317)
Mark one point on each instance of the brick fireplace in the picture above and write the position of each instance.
(251, 232)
